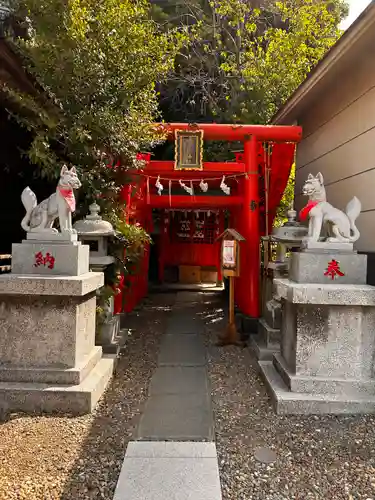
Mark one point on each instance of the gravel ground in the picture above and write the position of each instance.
(76, 458)
(45, 458)
(330, 458)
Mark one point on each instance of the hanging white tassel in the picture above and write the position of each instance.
(187, 188)
(159, 186)
(224, 187)
(204, 186)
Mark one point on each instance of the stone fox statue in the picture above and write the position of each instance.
(61, 204)
(339, 225)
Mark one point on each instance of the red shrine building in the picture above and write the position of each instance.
(193, 201)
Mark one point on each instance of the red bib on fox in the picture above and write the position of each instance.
(307, 209)
(68, 196)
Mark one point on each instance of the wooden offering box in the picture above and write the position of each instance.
(189, 274)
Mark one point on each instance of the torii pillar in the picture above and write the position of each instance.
(248, 283)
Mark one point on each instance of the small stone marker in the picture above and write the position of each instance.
(265, 455)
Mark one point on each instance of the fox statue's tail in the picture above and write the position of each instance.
(353, 209)
(29, 201)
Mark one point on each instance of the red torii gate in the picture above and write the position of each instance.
(248, 212)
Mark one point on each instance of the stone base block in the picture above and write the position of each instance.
(51, 375)
(270, 336)
(51, 237)
(48, 332)
(329, 295)
(57, 286)
(321, 385)
(247, 324)
(261, 350)
(306, 267)
(41, 327)
(287, 402)
(50, 258)
(69, 399)
(326, 246)
(266, 343)
(334, 342)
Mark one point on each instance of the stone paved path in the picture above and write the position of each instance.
(174, 457)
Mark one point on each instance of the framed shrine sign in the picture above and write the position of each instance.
(188, 150)
(230, 252)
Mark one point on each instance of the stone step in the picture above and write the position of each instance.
(261, 351)
(270, 335)
(185, 323)
(287, 402)
(52, 376)
(46, 398)
(321, 385)
(182, 350)
(166, 470)
(177, 417)
(179, 380)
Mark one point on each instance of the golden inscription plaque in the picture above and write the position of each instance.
(188, 150)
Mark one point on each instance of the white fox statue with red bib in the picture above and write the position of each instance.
(338, 225)
(61, 204)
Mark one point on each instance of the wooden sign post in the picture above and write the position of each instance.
(230, 263)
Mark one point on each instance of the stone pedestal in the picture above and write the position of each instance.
(66, 257)
(48, 358)
(326, 363)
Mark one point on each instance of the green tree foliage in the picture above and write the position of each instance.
(97, 63)
(244, 58)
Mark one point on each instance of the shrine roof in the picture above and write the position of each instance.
(232, 233)
(235, 132)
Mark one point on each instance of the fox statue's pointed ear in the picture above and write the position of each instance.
(73, 170)
(64, 170)
(320, 178)
(310, 176)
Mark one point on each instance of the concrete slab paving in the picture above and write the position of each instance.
(169, 471)
(184, 324)
(190, 295)
(182, 350)
(175, 456)
(175, 417)
(179, 380)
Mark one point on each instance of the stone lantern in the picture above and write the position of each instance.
(288, 237)
(95, 232)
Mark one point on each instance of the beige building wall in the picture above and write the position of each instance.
(339, 141)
